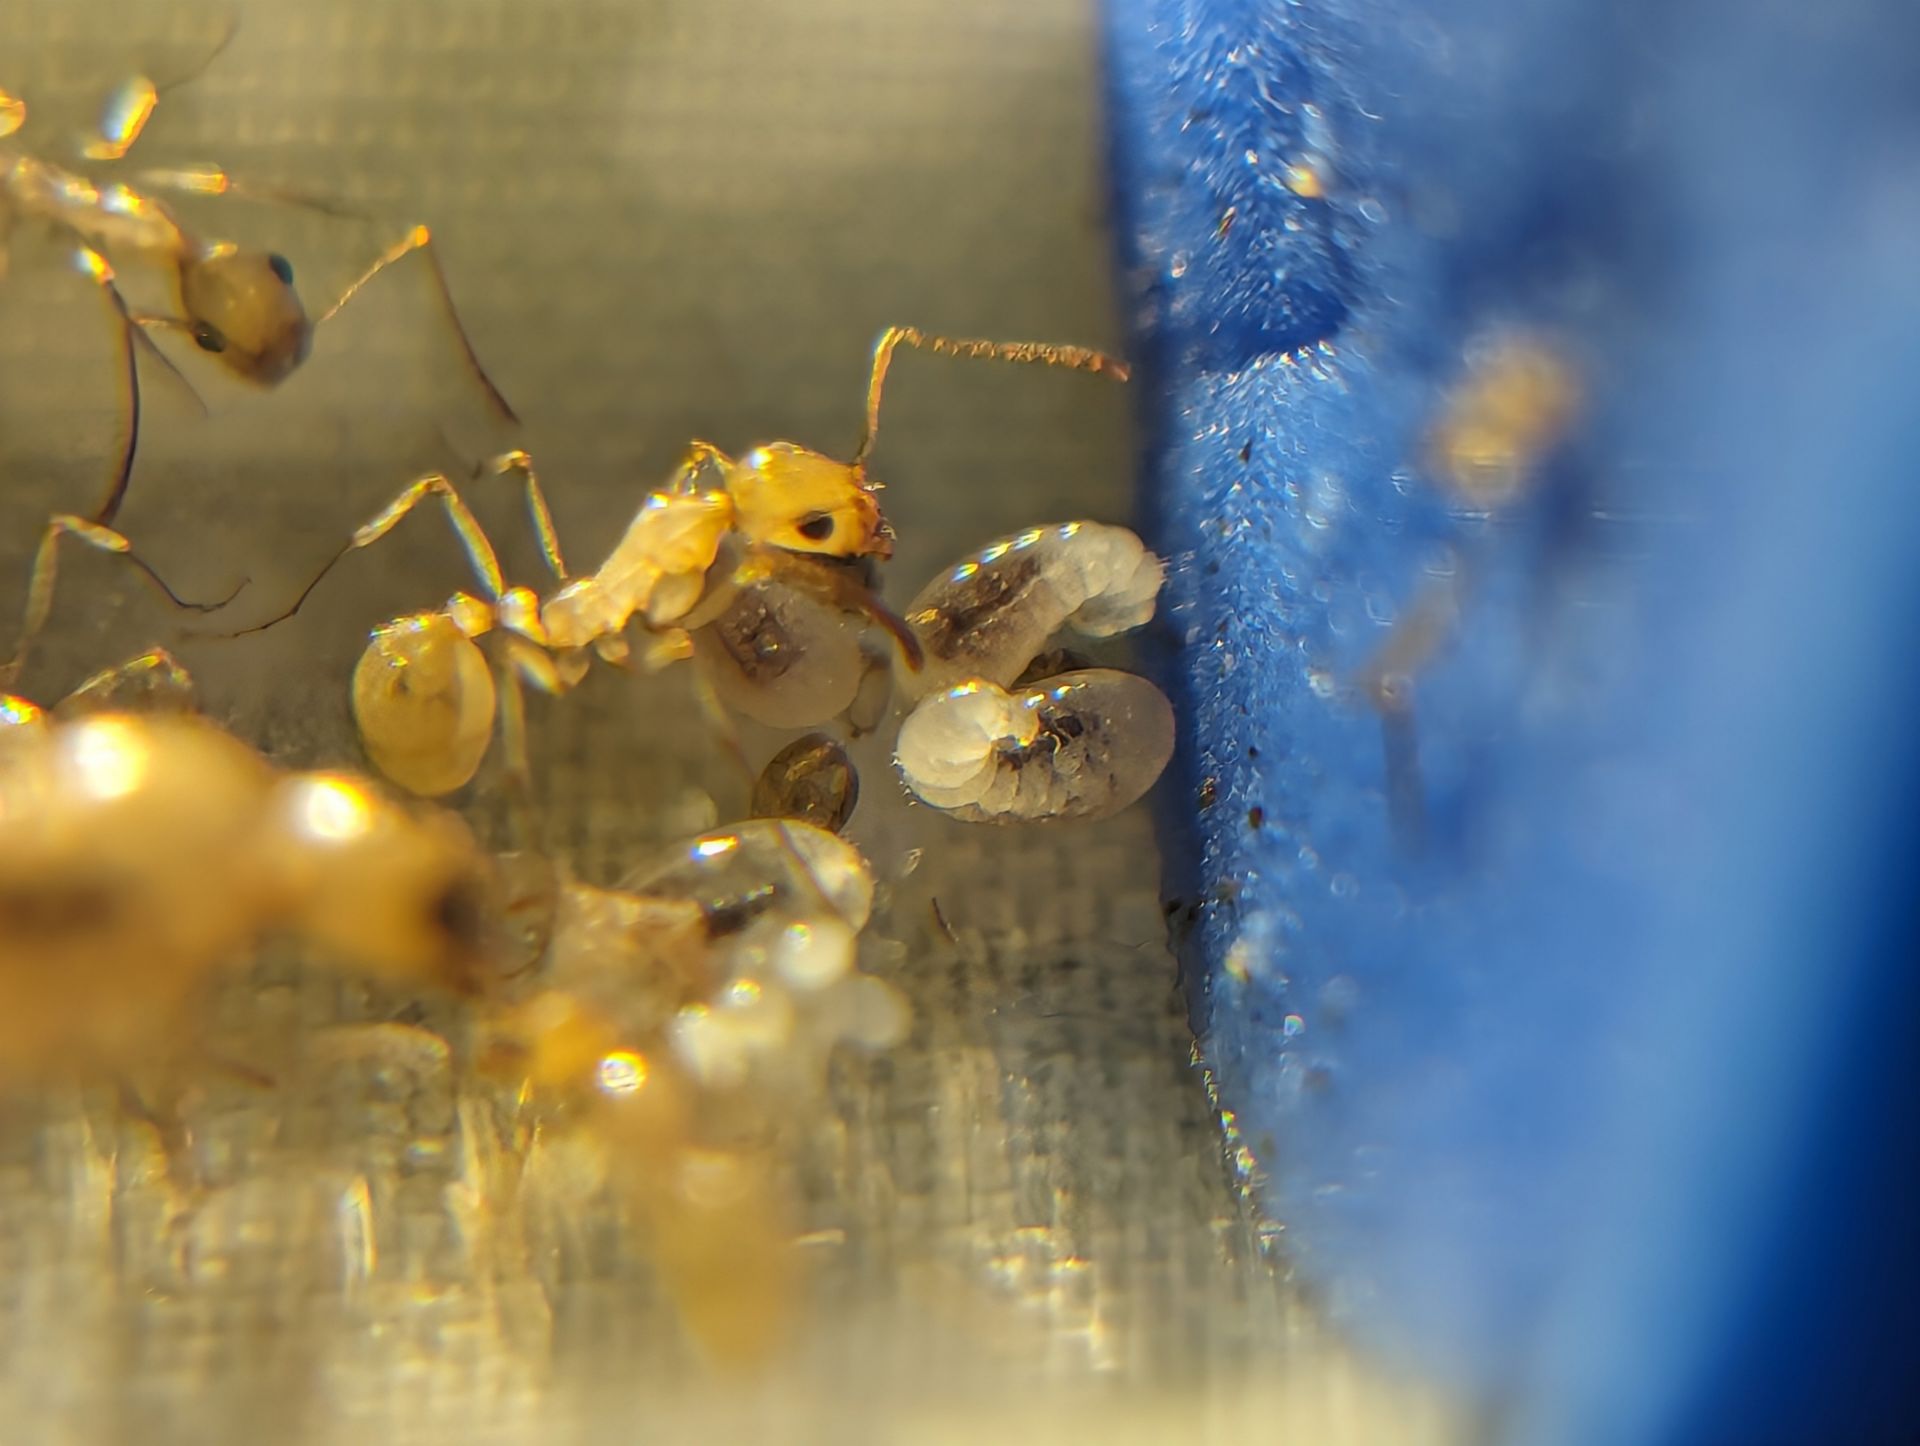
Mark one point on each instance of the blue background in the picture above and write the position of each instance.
(1600, 1104)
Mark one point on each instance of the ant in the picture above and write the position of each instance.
(782, 521)
(235, 302)
(683, 1021)
(144, 850)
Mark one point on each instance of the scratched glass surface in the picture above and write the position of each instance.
(660, 220)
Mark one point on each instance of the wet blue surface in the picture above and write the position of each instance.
(1563, 1044)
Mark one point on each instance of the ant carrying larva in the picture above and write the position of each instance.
(780, 529)
(235, 302)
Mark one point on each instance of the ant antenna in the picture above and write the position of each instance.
(420, 239)
(1076, 358)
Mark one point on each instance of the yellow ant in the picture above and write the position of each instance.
(683, 1021)
(235, 302)
(780, 517)
(140, 852)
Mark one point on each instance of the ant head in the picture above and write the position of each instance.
(789, 497)
(423, 697)
(240, 305)
(400, 891)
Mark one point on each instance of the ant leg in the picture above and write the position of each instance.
(480, 553)
(210, 180)
(522, 813)
(721, 722)
(699, 454)
(133, 337)
(521, 462)
(1387, 683)
(153, 681)
(420, 240)
(46, 568)
(1078, 358)
(13, 113)
(131, 106)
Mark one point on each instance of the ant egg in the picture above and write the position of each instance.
(1081, 746)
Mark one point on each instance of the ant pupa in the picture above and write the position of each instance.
(782, 527)
(987, 743)
(682, 1019)
(235, 302)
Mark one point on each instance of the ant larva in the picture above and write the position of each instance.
(235, 302)
(812, 779)
(684, 1019)
(141, 853)
(778, 531)
(988, 742)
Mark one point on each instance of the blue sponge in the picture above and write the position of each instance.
(1563, 1018)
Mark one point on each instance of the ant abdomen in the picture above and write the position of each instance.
(424, 698)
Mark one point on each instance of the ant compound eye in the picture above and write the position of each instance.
(208, 338)
(816, 527)
(280, 266)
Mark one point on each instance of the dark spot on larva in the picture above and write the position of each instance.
(969, 608)
(1256, 817)
(1209, 791)
(726, 917)
(753, 635)
(1246, 452)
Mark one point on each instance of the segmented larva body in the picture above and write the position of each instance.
(1082, 745)
(986, 748)
(991, 615)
